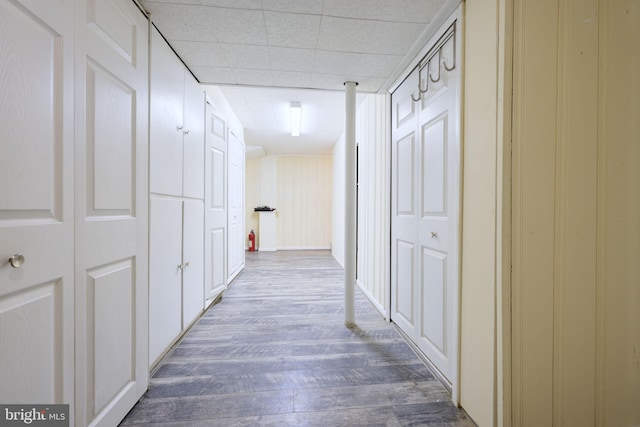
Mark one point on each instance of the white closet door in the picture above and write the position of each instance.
(215, 205)
(111, 199)
(193, 148)
(192, 260)
(36, 202)
(425, 254)
(438, 223)
(165, 274)
(236, 205)
(405, 291)
(167, 88)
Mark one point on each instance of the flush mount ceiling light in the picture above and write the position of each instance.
(296, 111)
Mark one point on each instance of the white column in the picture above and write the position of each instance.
(350, 205)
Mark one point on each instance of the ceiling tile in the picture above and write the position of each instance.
(196, 2)
(178, 22)
(346, 35)
(208, 54)
(247, 56)
(312, 7)
(361, 9)
(393, 37)
(328, 62)
(292, 30)
(291, 59)
(421, 11)
(233, 4)
(215, 75)
(254, 77)
(377, 65)
(291, 79)
(237, 25)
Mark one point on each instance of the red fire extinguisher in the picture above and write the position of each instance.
(252, 241)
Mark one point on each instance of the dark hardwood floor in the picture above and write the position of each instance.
(275, 352)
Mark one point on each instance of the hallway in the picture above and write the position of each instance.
(274, 352)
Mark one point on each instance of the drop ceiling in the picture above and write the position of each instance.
(267, 53)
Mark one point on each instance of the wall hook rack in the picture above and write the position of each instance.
(426, 61)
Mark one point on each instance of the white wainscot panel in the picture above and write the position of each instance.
(434, 282)
(405, 289)
(31, 331)
(434, 167)
(30, 170)
(110, 330)
(405, 174)
(110, 124)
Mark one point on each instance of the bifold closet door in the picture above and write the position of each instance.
(425, 258)
(36, 202)
(111, 200)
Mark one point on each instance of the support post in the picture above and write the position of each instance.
(350, 205)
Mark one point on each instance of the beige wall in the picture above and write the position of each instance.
(576, 213)
(481, 204)
(300, 188)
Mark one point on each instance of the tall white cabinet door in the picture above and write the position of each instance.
(36, 202)
(405, 291)
(236, 206)
(192, 260)
(165, 274)
(193, 140)
(215, 205)
(166, 117)
(111, 199)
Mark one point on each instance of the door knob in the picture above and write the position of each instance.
(186, 132)
(186, 264)
(179, 127)
(16, 261)
(434, 235)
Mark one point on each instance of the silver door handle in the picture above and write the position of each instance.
(186, 132)
(179, 127)
(16, 261)
(186, 264)
(434, 235)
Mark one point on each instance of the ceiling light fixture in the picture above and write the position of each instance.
(296, 114)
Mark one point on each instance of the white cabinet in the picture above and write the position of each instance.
(176, 250)
(176, 269)
(177, 125)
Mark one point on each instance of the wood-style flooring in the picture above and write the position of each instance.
(275, 352)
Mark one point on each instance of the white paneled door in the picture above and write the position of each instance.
(111, 198)
(215, 200)
(426, 207)
(36, 202)
(236, 205)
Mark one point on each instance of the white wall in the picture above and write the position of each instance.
(373, 200)
(337, 239)
(300, 188)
